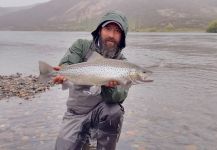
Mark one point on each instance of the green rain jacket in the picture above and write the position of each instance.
(78, 102)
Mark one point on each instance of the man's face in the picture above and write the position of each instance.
(110, 36)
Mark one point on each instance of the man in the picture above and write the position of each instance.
(102, 112)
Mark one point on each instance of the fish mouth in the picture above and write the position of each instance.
(143, 81)
(148, 80)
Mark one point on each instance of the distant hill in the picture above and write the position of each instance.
(4, 11)
(142, 14)
(7, 10)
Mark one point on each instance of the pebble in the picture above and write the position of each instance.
(24, 87)
(191, 147)
(25, 138)
(2, 126)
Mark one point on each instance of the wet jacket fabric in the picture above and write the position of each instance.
(78, 101)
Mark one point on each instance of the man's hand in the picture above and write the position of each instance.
(56, 68)
(58, 79)
(112, 84)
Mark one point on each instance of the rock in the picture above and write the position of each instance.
(191, 147)
(25, 138)
(23, 87)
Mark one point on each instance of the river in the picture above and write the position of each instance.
(175, 112)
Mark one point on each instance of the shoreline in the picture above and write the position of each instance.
(24, 87)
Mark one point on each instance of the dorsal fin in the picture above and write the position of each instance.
(95, 57)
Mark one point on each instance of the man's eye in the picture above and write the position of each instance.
(118, 30)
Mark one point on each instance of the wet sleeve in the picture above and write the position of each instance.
(74, 54)
(114, 95)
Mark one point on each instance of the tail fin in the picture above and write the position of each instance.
(45, 72)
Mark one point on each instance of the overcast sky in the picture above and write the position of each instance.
(12, 3)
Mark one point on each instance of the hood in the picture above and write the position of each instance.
(115, 16)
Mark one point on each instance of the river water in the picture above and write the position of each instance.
(175, 112)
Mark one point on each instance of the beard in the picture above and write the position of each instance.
(109, 47)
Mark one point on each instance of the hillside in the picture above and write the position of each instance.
(83, 14)
(8, 10)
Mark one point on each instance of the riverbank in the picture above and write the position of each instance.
(25, 87)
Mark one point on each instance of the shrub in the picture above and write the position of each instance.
(212, 27)
(169, 28)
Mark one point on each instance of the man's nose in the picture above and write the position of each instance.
(111, 33)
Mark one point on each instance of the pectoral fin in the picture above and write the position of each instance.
(95, 90)
(126, 84)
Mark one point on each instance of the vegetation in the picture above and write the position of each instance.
(169, 28)
(212, 27)
(166, 29)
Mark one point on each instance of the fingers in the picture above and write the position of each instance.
(56, 68)
(112, 84)
(59, 79)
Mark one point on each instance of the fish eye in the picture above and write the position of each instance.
(146, 71)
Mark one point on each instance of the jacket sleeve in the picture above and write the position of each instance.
(75, 53)
(114, 95)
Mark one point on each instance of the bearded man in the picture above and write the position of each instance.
(103, 111)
